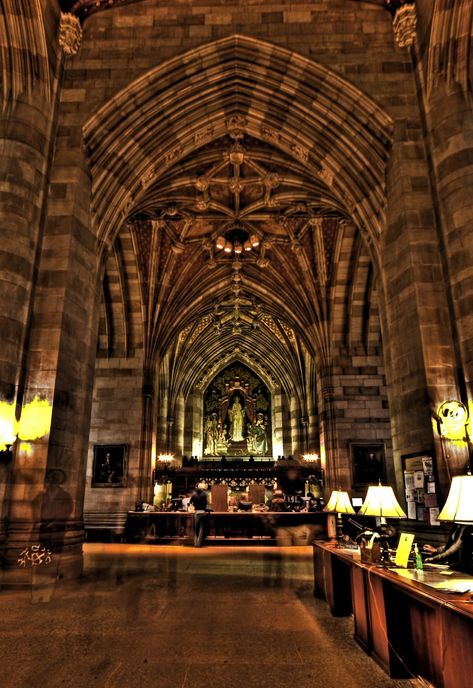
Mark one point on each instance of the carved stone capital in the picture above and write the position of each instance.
(70, 34)
(404, 25)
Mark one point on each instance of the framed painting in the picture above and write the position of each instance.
(110, 465)
(368, 463)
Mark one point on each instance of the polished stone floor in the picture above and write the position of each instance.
(178, 617)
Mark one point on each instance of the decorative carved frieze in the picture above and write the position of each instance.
(70, 34)
(404, 25)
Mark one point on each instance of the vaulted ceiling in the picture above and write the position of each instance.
(286, 163)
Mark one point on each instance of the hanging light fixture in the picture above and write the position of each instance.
(236, 240)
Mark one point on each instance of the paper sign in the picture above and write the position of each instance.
(411, 510)
(409, 480)
(433, 513)
(418, 478)
(403, 549)
(430, 487)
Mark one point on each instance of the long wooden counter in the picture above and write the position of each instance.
(269, 526)
(410, 627)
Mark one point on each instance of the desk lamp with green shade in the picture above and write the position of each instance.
(380, 501)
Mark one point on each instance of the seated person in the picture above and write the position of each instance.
(243, 503)
(278, 503)
(458, 550)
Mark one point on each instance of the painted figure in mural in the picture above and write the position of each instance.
(237, 415)
(257, 436)
(222, 442)
(211, 435)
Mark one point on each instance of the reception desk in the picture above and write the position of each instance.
(401, 617)
(269, 527)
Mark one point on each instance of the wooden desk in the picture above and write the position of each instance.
(158, 525)
(405, 624)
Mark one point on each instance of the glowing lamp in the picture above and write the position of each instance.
(339, 503)
(254, 240)
(7, 425)
(459, 504)
(311, 457)
(35, 421)
(220, 242)
(247, 245)
(381, 501)
(228, 248)
(167, 458)
(237, 247)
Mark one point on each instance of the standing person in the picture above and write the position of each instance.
(199, 500)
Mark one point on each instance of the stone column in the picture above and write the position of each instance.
(426, 259)
(28, 119)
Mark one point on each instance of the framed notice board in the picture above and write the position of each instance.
(420, 488)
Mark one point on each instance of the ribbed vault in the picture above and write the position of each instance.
(238, 136)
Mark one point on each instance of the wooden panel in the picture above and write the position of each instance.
(319, 575)
(219, 497)
(256, 494)
(456, 639)
(360, 607)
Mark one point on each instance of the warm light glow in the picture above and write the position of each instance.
(220, 242)
(35, 421)
(459, 504)
(166, 457)
(311, 457)
(228, 248)
(25, 447)
(247, 245)
(381, 501)
(7, 424)
(254, 240)
(339, 503)
(237, 247)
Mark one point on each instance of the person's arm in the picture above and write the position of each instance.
(450, 548)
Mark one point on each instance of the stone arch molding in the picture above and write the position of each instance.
(311, 113)
(237, 357)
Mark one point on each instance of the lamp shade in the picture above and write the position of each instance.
(381, 501)
(459, 504)
(339, 503)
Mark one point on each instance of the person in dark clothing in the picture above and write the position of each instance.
(457, 552)
(199, 500)
(278, 503)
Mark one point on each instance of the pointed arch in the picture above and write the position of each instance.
(339, 133)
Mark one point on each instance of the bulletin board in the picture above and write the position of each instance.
(420, 488)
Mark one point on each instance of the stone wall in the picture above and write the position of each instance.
(116, 419)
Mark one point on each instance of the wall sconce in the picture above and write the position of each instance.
(311, 457)
(452, 418)
(34, 422)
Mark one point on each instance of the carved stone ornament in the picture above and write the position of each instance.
(300, 152)
(404, 26)
(70, 34)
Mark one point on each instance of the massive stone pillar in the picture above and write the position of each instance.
(426, 249)
(28, 114)
(48, 478)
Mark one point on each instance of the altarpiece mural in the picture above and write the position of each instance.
(237, 414)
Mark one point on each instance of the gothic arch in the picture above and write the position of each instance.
(339, 133)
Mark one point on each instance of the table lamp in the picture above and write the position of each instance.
(339, 503)
(459, 504)
(380, 501)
